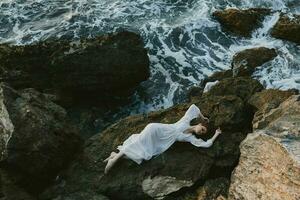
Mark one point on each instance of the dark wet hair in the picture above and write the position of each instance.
(197, 121)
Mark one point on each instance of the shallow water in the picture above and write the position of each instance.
(184, 42)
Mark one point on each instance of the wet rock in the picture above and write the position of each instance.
(245, 62)
(127, 180)
(241, 22)
(9, 190)
(102, 70)
(215, 189)
(243, 65)
(243, 87)
(265, 171)
(82, 195)
(283, 123)
(269, 165)
(264, 102)
(212, 189)
(219, 76)
(160, 186)
(287, 28)
(36, 140)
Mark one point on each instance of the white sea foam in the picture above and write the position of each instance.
(184, 42)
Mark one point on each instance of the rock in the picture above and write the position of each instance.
(264, 102)
(287, 28)
(160, 186)
(265, 171)
(269, 165)
(241, 22)
(219, 76)
(197, 91)
(245, 62)
(82, 195)
(97, 71)
(283, 123)
(127, 180)
(209, 85)
(36, 140)
(243, 87)
(9, 190)
(212, 189)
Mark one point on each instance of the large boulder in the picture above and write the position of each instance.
(264, 102)
(265, 171)
(212, 189)
(241, 22)
(36, 140)
(269, 165)
(181, 166)
(284, 124)
(243, 87)
(287, 28)
(243, 65)
(9, 190)
(245, 62)
(96, 70)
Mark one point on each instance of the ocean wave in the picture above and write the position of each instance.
(184, 42)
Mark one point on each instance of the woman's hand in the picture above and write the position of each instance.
(219, 131)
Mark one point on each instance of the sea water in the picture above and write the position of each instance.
(185, 44)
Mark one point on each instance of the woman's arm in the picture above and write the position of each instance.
(200, 113)
(201, 143)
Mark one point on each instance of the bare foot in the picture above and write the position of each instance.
(109, 165)
(112, 155)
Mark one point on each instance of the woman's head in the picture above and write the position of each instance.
(200, 129)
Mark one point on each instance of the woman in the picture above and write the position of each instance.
(156, 138)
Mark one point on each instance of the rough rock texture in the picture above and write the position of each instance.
(242, 87)
(269, 166)
(284, 124)
(241, 22)
(35, 138)
(265, 171)
(287, 28)
(183, 163)
(212, 189)
(264, 102)
(215, 189)
(9, 190)
(89, 70)
(82, 195)
(245, 62)
(160, 186)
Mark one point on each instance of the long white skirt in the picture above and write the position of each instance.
(153, 140)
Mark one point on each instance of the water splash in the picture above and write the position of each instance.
(184, 42)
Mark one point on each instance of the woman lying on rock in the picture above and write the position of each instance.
(156, 138)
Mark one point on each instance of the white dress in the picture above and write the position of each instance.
(156, 138)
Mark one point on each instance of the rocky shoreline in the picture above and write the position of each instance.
(43, 155)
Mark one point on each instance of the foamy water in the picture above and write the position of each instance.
(184, 42)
